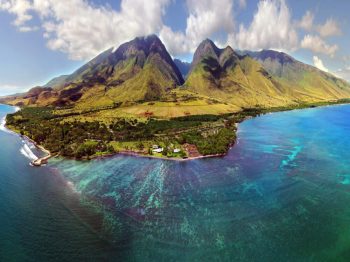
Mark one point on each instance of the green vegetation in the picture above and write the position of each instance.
(217, 143)
(90, 139)
(209, 134)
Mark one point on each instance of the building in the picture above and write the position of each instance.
(158, 150)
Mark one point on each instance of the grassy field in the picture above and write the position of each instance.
(143, 111)
(171, 109)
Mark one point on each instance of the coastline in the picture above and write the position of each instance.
(44, 160)
(137, 154)
(130, 153)
(41, 160)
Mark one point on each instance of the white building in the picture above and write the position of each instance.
(158, 150)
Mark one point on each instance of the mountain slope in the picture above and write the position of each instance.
(184, 67)
(305, 80)
(139, 70)
(142, 70)
(264, 78)
(227, 76)
(57, 82)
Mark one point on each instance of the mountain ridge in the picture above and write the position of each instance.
(266, 78)
(143, 70)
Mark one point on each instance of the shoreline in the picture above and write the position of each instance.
(44, 160)
(130, 153)
(140, 155)
(41, 160)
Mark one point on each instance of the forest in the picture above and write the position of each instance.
(211, 134)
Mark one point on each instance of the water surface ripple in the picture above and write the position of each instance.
(282, 193)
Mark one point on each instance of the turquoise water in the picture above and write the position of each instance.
(282, 193)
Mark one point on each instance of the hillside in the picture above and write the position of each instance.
(266, 78)
(140, 78)
(184, 67)
(139, 70)
(306, 81)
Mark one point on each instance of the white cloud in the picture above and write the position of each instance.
(307, 22)
(318, 45)
(206, 18)
(81, 29)
(176, 42)
(319, 64)
(20, 9)
(343, 73)
(330, 28)
(271, 28)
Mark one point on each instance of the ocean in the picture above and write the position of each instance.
(281, 193)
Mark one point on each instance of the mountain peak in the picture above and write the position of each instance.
(148, 39)
(207, 46)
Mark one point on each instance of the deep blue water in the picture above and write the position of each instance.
(281, 194)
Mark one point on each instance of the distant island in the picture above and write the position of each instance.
(137, 100)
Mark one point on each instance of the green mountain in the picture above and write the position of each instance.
(139, 70)
(218, 81)
(306, 81)
(225, 75)
(266, 78)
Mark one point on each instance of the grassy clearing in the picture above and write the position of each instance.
(166, 110)
(146, 110)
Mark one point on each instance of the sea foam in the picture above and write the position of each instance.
(27, 152)
(3, 127)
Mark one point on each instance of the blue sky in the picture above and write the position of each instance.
(42, 39)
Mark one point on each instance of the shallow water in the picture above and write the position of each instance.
(281, 193)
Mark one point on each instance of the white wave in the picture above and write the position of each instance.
(28, 153)
(3, 122)
(3, 127)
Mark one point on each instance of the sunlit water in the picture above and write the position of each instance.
(281, 194)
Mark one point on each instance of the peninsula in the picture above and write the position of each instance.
(137, 100)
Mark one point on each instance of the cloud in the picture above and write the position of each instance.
(319, 64)
(271, 27)
(307, 22)
(330, 28)
(81, 29)
(205, 18)
(20, 10)
(318, 45)
(343, 73)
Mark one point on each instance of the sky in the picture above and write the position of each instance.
(41, 39)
